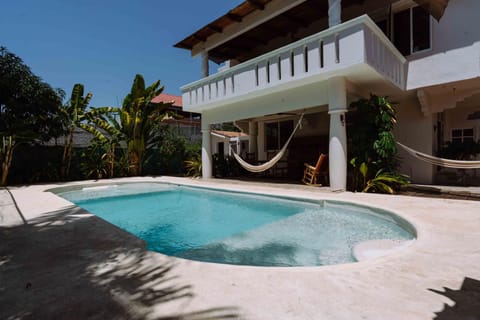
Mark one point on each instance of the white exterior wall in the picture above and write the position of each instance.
(455, 52)
(416, 131)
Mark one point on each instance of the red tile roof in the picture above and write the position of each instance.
(166, 98)
(230, 134)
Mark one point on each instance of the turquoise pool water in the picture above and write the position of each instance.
(222, 227)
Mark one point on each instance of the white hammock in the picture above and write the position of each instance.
(270, 163)
(448, 163)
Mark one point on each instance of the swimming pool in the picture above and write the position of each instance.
(235, 228)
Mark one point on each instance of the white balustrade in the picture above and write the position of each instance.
(358, 41)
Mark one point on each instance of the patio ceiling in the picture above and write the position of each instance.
(284, 27)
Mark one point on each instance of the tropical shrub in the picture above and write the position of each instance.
(94, 160)
(29, 109)
(372, 147)
(76, 115)
(194, 166)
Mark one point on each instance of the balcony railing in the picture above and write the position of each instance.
(335, 51)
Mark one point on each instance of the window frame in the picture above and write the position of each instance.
(392, 28)
(279, 136)
(462, 136)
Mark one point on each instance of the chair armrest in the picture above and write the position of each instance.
(309, 166)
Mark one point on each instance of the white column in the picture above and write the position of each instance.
(334, 12)
(337, 107)
(205, 68)
(206, 150)
(252, 132)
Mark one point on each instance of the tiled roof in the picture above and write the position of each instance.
(230, 134)
(166, 98)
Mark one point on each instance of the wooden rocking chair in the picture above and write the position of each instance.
(311, 173)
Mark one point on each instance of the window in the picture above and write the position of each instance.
(221, 149)
(411, 30)
(462, 135)
(277, 133)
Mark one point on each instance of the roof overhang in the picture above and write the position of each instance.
(309, 16)
(436, 8)
(282, 26)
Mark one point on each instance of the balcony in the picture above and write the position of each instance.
(356, 49)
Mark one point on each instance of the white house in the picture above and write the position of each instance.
(287, 57)
(226, 142)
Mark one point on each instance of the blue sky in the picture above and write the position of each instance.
(104, 43)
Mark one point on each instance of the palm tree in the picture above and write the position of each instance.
(138, 119)
(76, 115)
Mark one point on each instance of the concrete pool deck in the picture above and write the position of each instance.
(58, 261)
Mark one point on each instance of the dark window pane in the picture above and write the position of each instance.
(401, 31)
(468, 132)
(456, 140)
(421, 29)
(467, 139)
(221, 148)
(271, 134)
(286, 128)
(457, 133)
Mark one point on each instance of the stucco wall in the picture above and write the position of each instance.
(416, 131)
(455, 52)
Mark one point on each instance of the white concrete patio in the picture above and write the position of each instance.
(119, 279)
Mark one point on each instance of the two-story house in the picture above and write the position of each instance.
(282, 58)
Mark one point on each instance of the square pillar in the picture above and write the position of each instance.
(205, 66)
(334, 12)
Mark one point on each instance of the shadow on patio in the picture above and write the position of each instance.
(68, 265)
(466, 301)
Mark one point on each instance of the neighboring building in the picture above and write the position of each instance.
(188, 122)
(224, 142)
(81, 139)
(285, 57)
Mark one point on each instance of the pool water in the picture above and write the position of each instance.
(222, 227)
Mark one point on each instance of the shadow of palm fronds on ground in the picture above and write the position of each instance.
(466, 301)
(70, 265)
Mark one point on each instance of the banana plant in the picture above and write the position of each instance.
(382, 182)
(386, 182)
(139, 117)
(76, 115)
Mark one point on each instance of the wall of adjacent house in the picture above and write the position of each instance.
(455, 49)
(415, 130)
